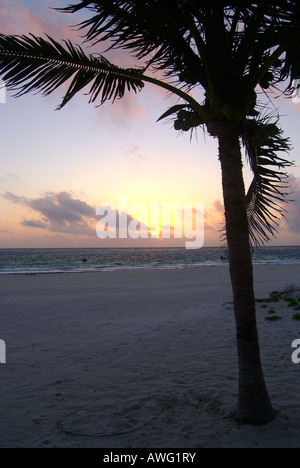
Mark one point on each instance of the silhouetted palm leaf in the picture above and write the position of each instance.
(156, 30)
(172, 110)
(268, 191)
(178, 36)
(36, 64)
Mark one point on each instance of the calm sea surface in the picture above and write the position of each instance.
(19, 261)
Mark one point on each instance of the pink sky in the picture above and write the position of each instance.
(57, 167)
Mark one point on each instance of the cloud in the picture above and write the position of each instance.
(122, 222)
(214, 222)
(59, 212)
(62, 208)
(135, 152)
(15, 198)
(34, 223)
(123, 113)
(10, 178)
(219, 207)
(17, 18)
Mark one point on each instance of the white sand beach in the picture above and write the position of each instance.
(139, 359)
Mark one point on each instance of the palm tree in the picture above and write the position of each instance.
(232, 51)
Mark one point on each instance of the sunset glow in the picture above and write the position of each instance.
(57, 167)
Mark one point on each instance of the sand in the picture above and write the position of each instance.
(134, 359)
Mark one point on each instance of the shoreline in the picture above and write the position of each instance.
(111, 269)
(57, 261)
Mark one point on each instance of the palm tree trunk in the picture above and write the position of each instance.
(254, 405)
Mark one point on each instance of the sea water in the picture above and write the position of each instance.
(34, 261)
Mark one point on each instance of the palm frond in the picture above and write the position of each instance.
(268, 191)
(158, 31)
(179, 35)
(30, 63)
(172, 110)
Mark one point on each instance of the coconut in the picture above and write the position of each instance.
(186, 125)
(178, 124)
(183, 115)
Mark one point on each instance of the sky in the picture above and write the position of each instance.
(57, 167)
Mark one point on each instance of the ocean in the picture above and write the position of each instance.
(37, 261)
